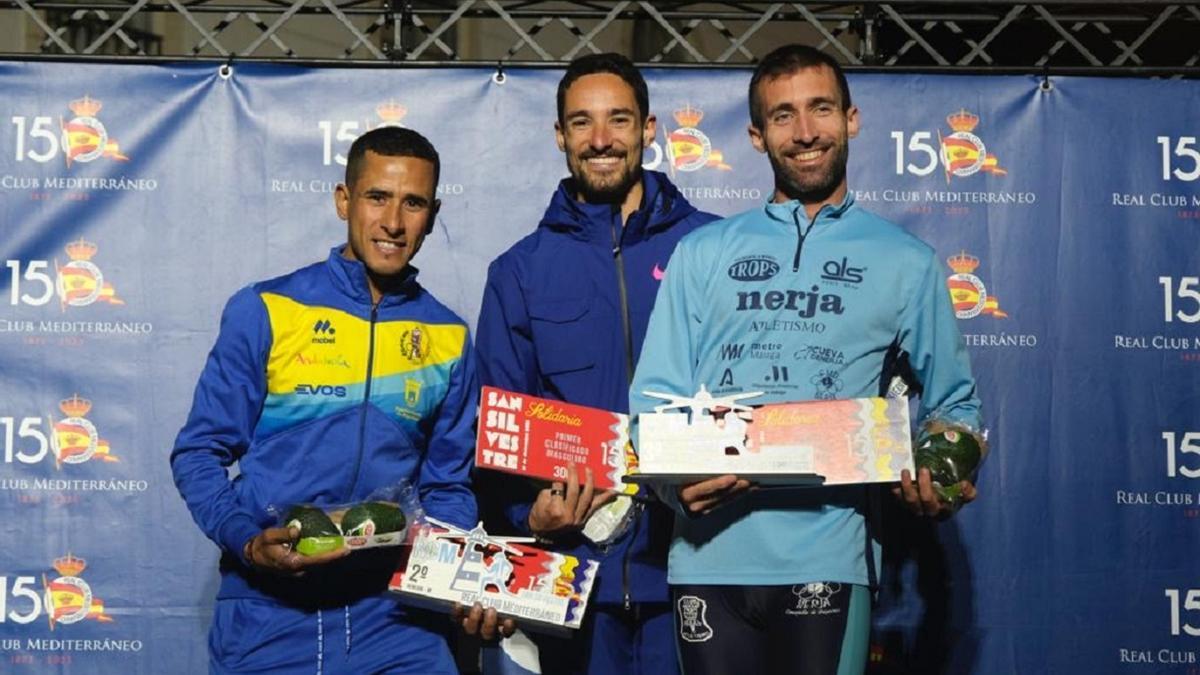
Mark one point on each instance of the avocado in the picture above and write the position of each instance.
(371, 518)
(952, 456)
(318, 534)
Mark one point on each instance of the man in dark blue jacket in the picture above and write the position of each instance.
(563, 317)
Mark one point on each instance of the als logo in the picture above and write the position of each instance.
(967, 291)
(842, 271)
(963, 153)
(80, 282)
(68, 599)
(75, 439)
(753, 268)
(413, 344)
(688, 148)
(324, 332)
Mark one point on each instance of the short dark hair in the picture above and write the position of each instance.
(608, 62)
(390, 142)
(786, 60)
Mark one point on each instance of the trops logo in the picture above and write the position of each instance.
(967, 291)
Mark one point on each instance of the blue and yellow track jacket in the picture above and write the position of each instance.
(800, 309)
(322, 398)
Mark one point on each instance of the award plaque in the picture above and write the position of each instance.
(450, 566)
(835, 442)
(538, 437)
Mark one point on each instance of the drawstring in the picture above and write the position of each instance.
(320, 643)
(321, 637)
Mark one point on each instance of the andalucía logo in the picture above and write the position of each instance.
(967, 291)
(963, 153)
(80, 282)
(85, 137)
(68, 598)
(75, 439)
(688, 148)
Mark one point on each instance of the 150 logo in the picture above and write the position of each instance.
(66, 599)
(82, 139)
(72, 439)
(1182, 154)
(1190, 603)
(960, 153)
(1187, 291)
(344, 132)
(78, 283)
(1186, 443)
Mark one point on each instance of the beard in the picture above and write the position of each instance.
(610, 189)
(813, 186)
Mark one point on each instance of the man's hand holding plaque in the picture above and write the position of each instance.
(565, 507)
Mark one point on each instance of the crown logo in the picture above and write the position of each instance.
(391, 111)
(69, 565)
(81, 249)
(687, 116)
(962, 121)
(963, 263)
(75, 406)
(85, 107)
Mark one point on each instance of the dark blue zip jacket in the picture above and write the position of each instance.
(551, 325)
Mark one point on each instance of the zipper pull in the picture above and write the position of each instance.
(628, 604)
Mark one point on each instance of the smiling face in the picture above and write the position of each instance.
(602, 134)
(388, 211)
(805, 133)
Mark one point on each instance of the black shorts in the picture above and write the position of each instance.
(802, 629)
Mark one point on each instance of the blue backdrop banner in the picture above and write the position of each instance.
(134, 200)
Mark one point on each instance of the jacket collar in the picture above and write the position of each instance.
(350, 278)
(792, 211)
(662, 206)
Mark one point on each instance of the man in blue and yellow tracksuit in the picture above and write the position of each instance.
(563, 317)
(324, 385)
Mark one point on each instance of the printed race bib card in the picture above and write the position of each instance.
(451, 566)
(538, 437)
(864, 440)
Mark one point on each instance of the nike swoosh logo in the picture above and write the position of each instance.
(657, 273)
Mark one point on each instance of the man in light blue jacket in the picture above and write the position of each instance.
(808, 297)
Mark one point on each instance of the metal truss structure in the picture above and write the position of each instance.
(1110, 38)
